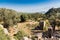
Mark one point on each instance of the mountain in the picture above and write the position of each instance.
(53, 12)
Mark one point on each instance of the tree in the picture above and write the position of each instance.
(8, 16)
(23, 18)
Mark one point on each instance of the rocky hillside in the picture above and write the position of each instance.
(53, 11)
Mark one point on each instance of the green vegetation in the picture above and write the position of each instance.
(53, 14)
(3, 36)
(13, 17)
(10, 17)
(7, 15)
(20, 35)
(23, 18)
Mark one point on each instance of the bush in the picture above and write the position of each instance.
(19, 35)
(3, 36)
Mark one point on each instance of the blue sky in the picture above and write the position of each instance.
(29, 5)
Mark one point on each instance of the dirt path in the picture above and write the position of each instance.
(22, 26)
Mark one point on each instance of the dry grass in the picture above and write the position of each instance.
(23, 26)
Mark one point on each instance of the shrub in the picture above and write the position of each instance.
(3, 36)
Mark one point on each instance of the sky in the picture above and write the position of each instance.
(30, 5)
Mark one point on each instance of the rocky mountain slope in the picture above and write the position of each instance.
(53, 11)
